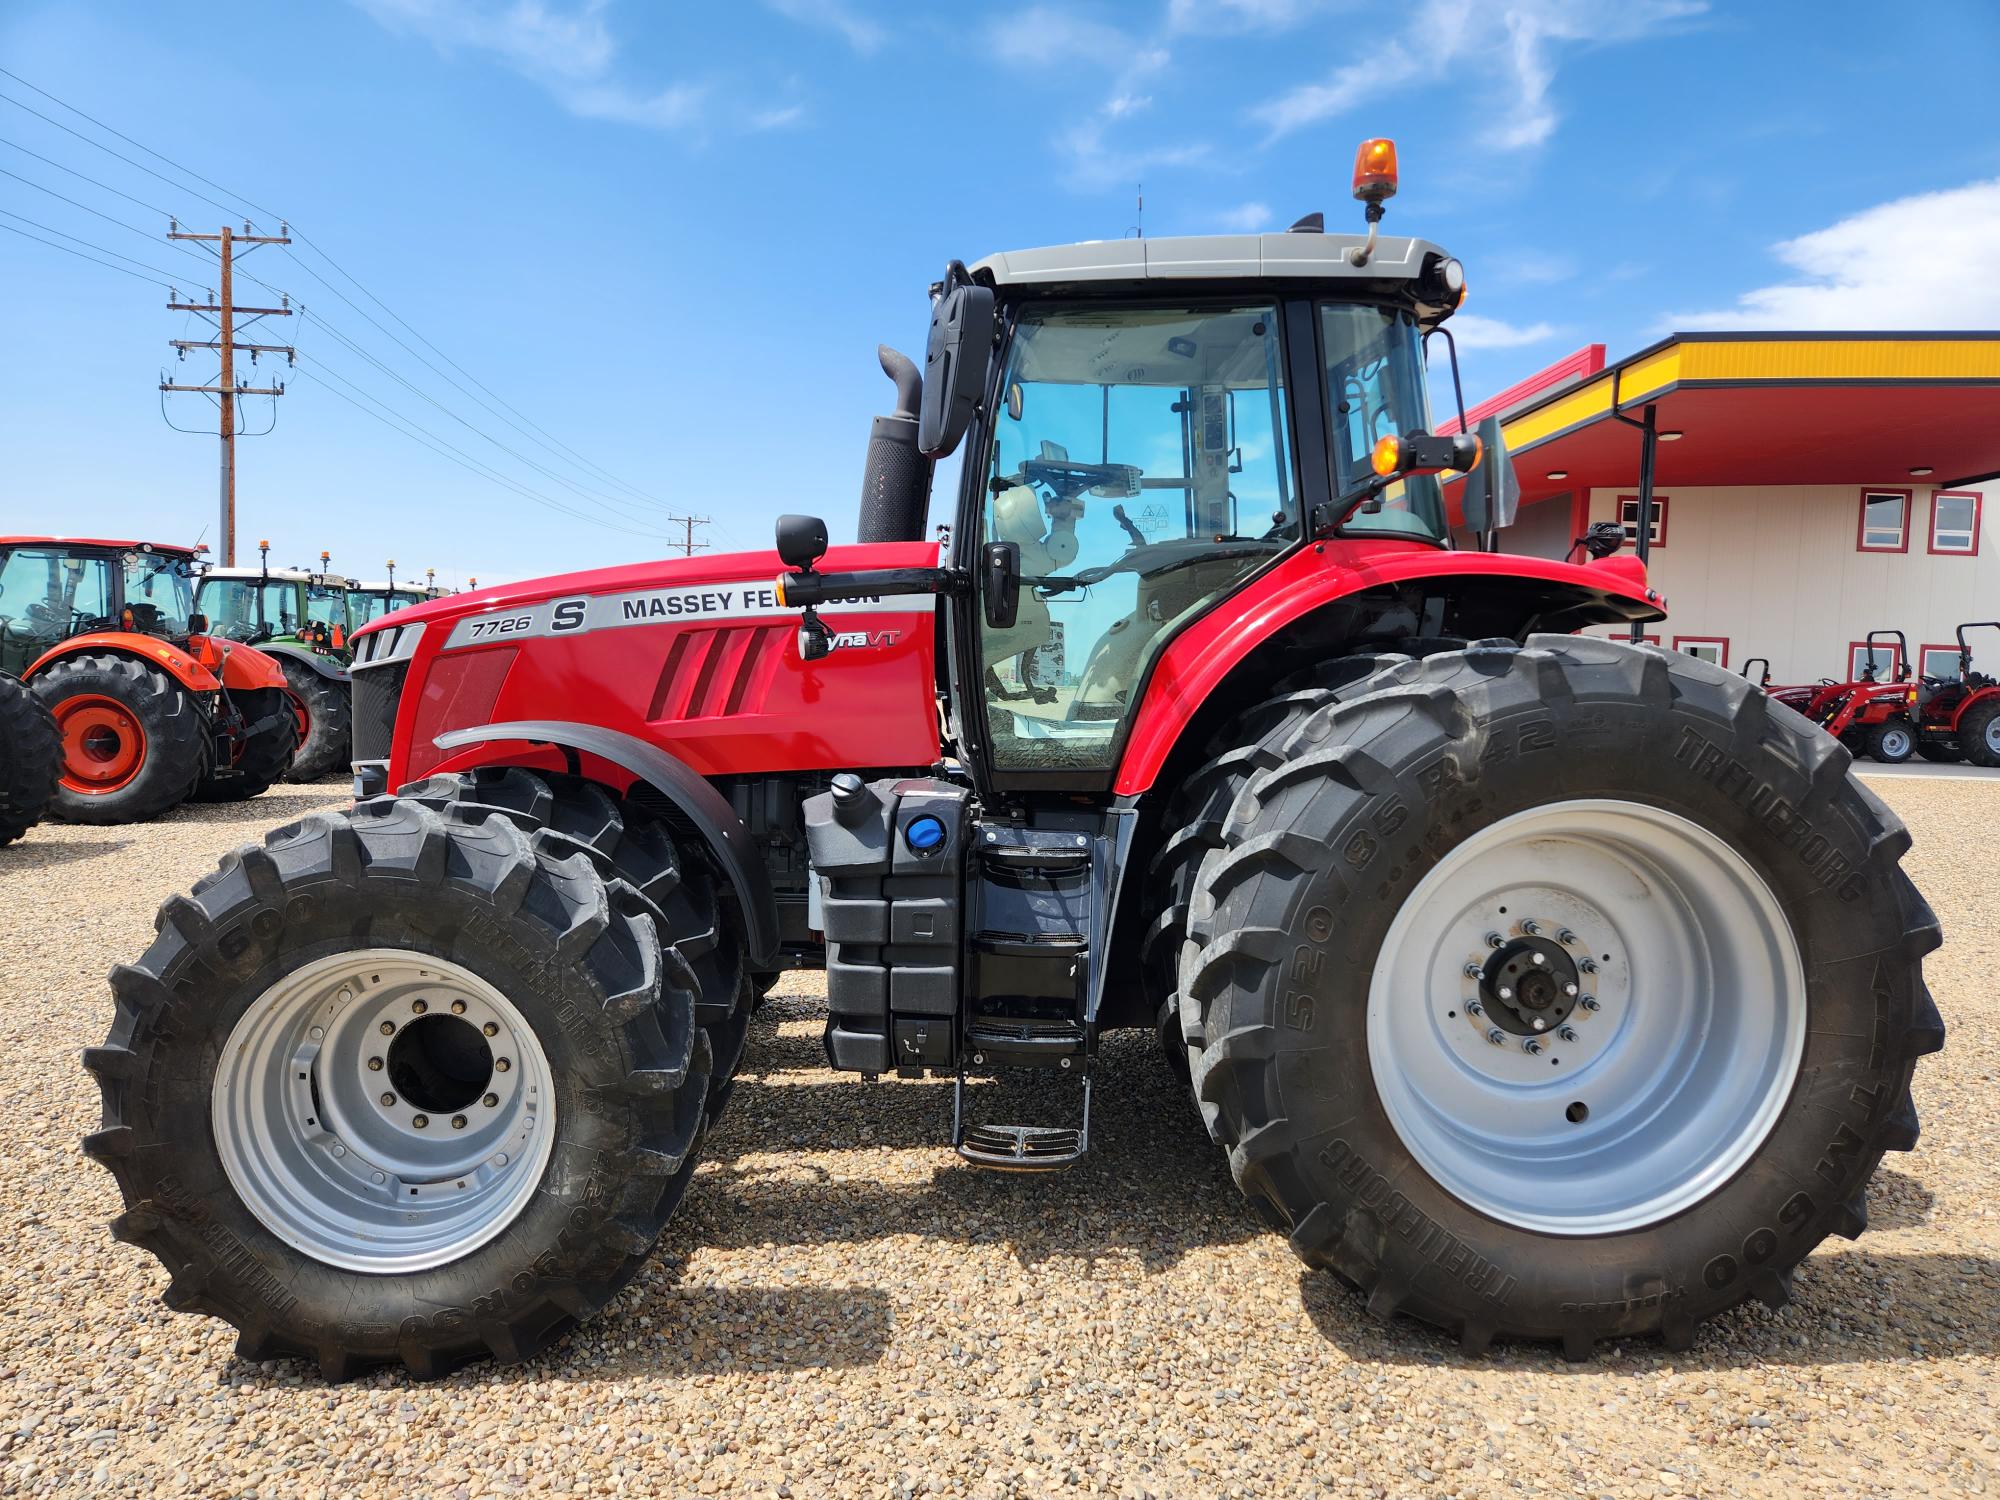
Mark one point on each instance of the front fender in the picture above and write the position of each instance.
(323, 665)
(1200, 659)
(701, 804)
(150, 649)
(245, 668)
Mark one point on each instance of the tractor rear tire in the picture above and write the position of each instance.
(327, 744)
(134, 740)
(1643, 820)
(1247, 744)
(475, 956)
(1979, 733)
(578, 816)
(1940, 754)
(1892, 742)
(265, 756)
(30, 758)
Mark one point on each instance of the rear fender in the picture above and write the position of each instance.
(704, 808)
(149, 649)
(1338, 590)
(325, 666)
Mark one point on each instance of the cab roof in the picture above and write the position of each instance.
(110, 544)
(1292, 255)
(277, 575)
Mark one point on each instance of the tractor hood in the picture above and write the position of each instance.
(731, 585)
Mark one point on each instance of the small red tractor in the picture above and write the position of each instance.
(150, 709)
(1793, 696)
(1959, 717)
(1540, 985)
(1871, 716)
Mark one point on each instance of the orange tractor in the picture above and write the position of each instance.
(151, 710)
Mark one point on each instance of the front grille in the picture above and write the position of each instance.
(376, 693)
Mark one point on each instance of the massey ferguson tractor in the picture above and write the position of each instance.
(1960, 716)
(149, 707)
(1541, 986)
(302, 620)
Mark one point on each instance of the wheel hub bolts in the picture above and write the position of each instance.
(418, 1007)
(501, 1064)
(490, 1100)
(458, 1122)
(1531, 927)
(1567, 1033)
(490, 1029)
(420, 1121)
(1588, 1002)
(1565, 937)
(374, 1064)
(458, 1007)
(1532, 1047)
(388, 1101)
(1496, 1036)
(388, 1028)
(1474, 1008)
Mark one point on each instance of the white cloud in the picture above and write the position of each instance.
(1471, 331)
(1210, 17)
(568, 50)
(857, 30)
(1511, 45)
(1927, 261)
(1245, 218)
(1045, 36)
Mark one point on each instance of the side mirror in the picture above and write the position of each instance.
(1493, 489)
(197, 624)
(801, 541)
(955, 360)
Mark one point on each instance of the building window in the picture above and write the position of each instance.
(1938, 661)
(1885, 658)
(1628, 517)
(1885, 521)
(1955, 522)
(1710, 648)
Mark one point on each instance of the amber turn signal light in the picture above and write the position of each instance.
(1375, 170)
(1386, 457)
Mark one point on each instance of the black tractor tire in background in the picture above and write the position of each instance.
(30, 758)
(1976, 733)
(1320, 854)
(1892, 742)
(1939, 753)
(568, 814)
(582, 962)
(167, 743)
(328, 743)
(265, 755)
(1194, 816)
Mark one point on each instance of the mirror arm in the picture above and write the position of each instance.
(810, 588)
(1330, 517)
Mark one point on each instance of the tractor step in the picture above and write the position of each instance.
(1019, 1148)
(995, 1041)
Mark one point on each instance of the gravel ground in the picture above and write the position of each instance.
(843, 1308)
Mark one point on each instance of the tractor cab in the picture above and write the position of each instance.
(54, 588)
(292, 606)
(368, 600)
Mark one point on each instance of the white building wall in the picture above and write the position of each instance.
(1775, 571)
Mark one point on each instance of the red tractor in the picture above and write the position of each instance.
(1960, 717)
(1794, 696)
(150, 708)
(1869, 715)
(1540, 985)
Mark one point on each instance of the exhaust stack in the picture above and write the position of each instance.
(896, 484)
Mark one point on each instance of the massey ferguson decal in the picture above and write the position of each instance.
(701, 603)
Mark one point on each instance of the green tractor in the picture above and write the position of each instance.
(372, 600)
(301, 618)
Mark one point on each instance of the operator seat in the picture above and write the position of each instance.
(1018, 518)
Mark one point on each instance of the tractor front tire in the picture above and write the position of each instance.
(1699, 905)
(30, 758)
(134, 741)
(1939, 753)
(1979, 733)
(401, 1087)
(264, 757)
(326, 745)
(572, 815)
(1892, 742)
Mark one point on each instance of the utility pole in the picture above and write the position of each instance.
(227, 391)
(688, 545)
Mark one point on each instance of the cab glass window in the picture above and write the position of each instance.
(1375, 389)
(1141, 466)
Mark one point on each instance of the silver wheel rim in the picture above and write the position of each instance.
(1993, 734)
(1896, 744)
(383, 1110)
(1673, 1060)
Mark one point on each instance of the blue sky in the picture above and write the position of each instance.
(659, 242)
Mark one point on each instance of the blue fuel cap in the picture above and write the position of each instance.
(924, 834)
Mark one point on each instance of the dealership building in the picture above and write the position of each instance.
(1807, 488)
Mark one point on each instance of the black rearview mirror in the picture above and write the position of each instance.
(1492, 489)
(955, 362)
(801, 541)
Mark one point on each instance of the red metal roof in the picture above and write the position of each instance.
(94, 541)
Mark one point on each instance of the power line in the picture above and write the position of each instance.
(121, 156)
(206, 260)
(81, 256)
(102, 249)
(115, 192)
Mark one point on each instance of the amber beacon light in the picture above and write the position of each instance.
(1375, 171)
